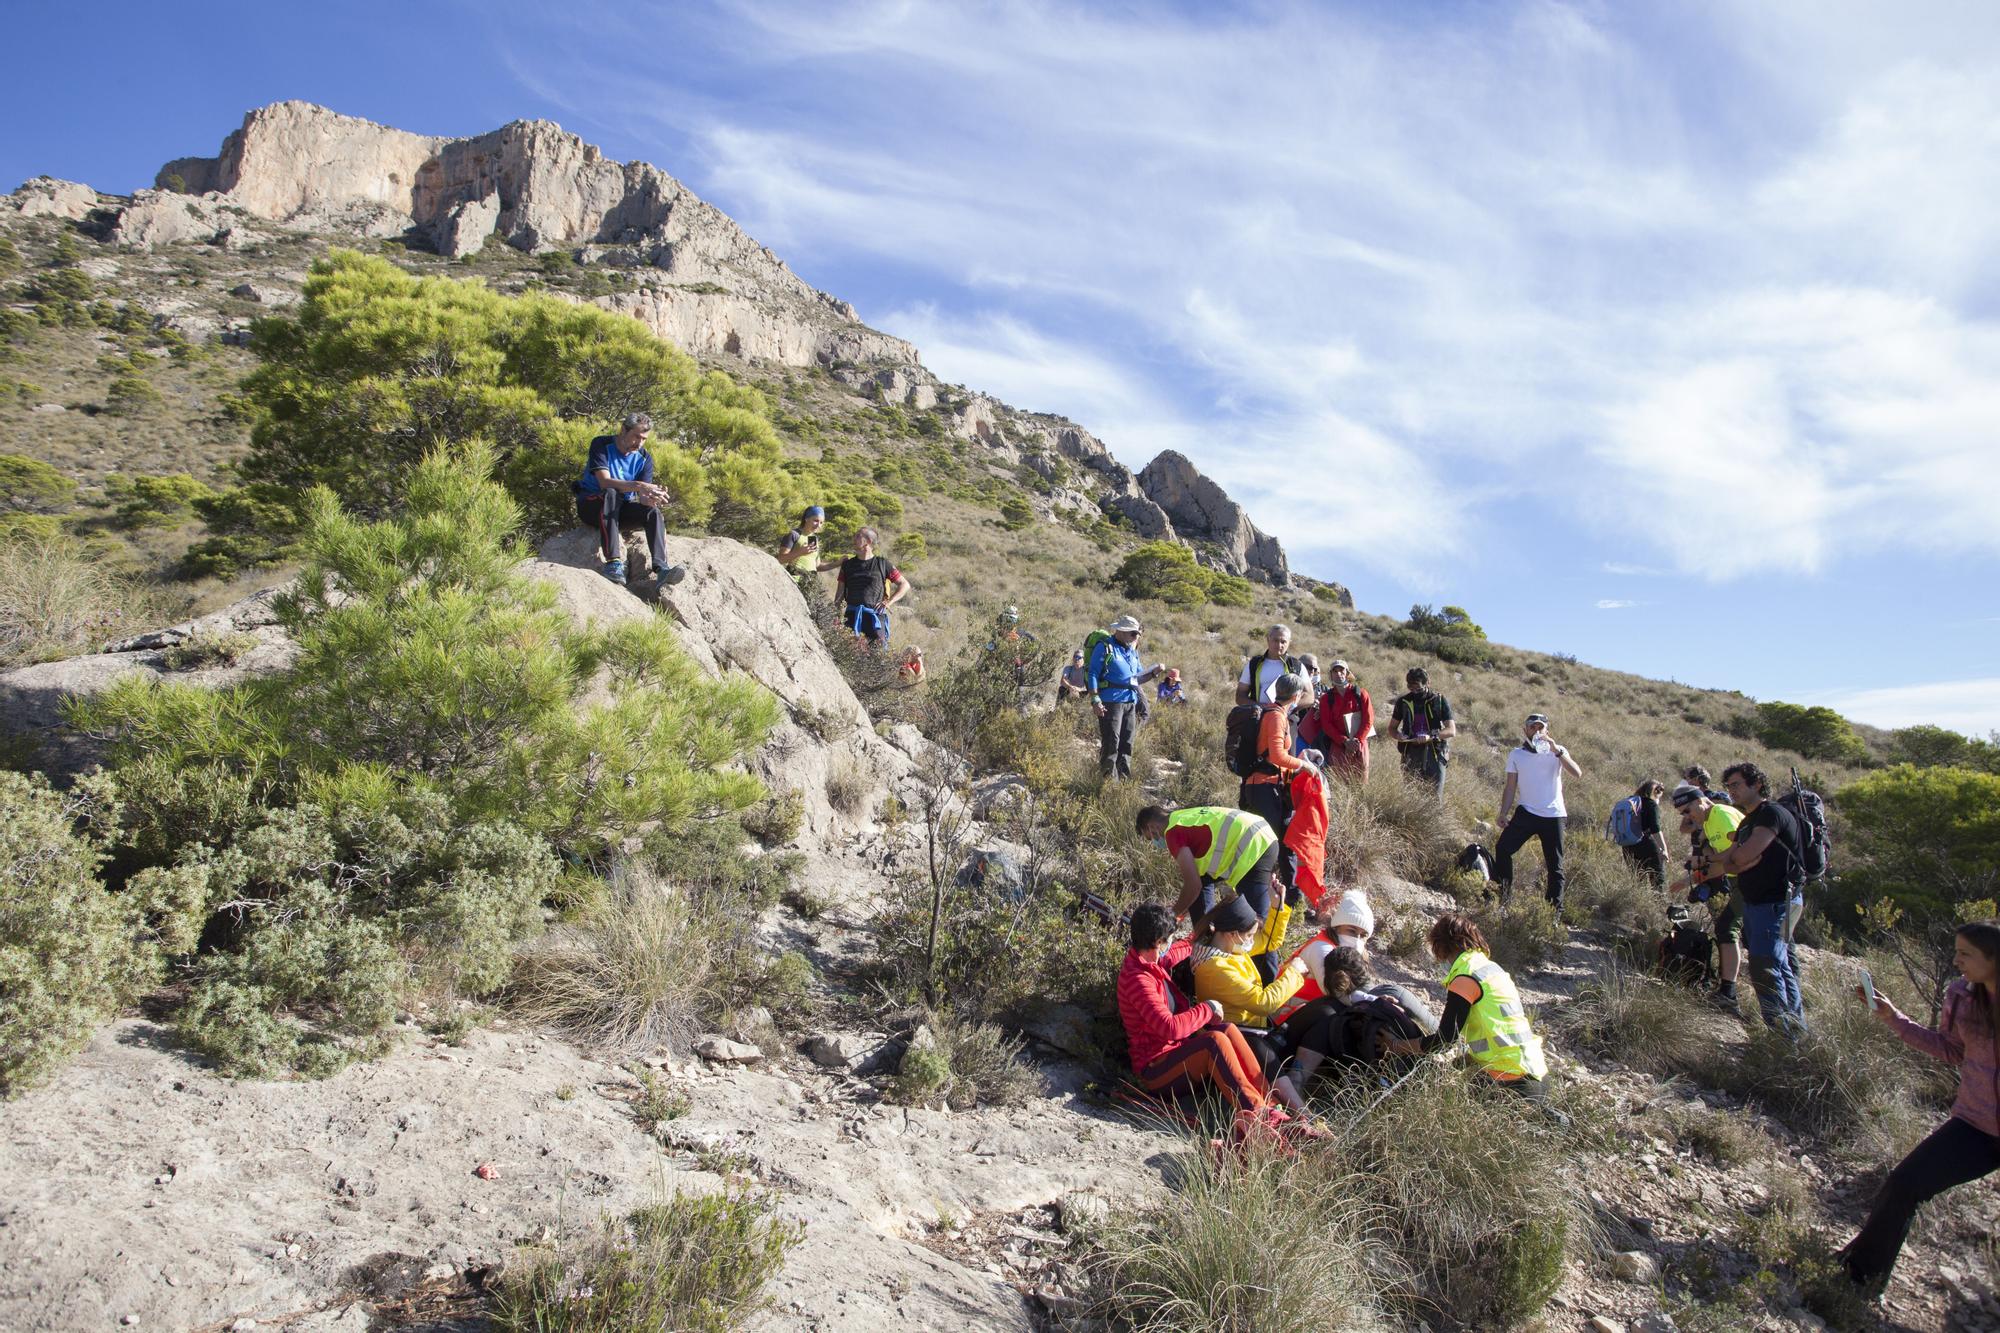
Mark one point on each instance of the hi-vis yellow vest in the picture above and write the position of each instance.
(1237, 839)
(1496, 1032)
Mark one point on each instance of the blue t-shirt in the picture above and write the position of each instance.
(1114, 671)
(605, 453)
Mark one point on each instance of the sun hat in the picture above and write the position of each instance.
(1126, 625)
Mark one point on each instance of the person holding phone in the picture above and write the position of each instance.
(798, 550)
(1967, 1146)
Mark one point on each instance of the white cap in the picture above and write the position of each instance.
(1353, 911)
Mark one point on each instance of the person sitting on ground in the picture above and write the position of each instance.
(1648, 855)
(1421, 724)
(1169, 689)
(869, 586)
(798, 550)
(1482, 1005)
(1534, 779)
(1260, 674)
(1966, 1146)
(1073, 682)
(1346, 720)
(1224, 972)
(1713, 828)
(1266, 789)
(1178, 1045)
(1214, 845)
(1115, 676)
(1008, 636)
(617, 491)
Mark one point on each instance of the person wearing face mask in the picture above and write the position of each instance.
(1213, 845)
(1225, 973)
(1346, 721)
(1535, 771)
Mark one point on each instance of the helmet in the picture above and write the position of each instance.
(1353, 911)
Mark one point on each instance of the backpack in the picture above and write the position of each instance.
(1686, 953)
(1810, 811)
(1475, 860)
(1623, 825)
(1363, 1030)
(1239, 741)
(1096, 639)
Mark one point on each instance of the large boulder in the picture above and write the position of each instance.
(47, 197)
(1202, 511)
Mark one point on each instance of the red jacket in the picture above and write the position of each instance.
(1157, 1016)
(1306, 834)
(1351, 699)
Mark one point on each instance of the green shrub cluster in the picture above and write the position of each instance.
(1449, 634)
(1168, 572)
(1816, 733)
(385, 818)
(1941, 747)
(155, 501)
(377, 368)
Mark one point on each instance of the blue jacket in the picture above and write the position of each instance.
(1114, 673)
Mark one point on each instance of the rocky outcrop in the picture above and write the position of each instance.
(537, 188)
(47, 197)
(1202, 512)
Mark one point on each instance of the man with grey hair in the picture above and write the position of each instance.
(1260, 674)
(869, 586)
(617, 491)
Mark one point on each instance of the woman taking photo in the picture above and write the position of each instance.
(1967, 1146)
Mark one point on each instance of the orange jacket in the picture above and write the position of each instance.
(1274, 747)
(1306, 835)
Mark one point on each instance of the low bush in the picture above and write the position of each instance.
(70, 953)
(1637, 1021)
(964, 1064)
(207, 650)
(691, 1264)
(1602, 889)
(1524, 932)
(1387, 826)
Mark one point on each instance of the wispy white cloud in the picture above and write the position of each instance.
(1634, 571)
(1970, 706)
(1614, 603)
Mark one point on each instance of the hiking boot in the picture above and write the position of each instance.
(1724, 998)
(669, 575)
(615, 571)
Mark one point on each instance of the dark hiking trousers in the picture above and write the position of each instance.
(593, 511)
(1520, 828)
(1114, 739)
(1955, 1153)
(1274, 803)
(1645, 858)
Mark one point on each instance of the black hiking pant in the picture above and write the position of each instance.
(1273, 802)
(1520, 828)
(1645, 858)
(1114, 739)
(1955, 1153)
(597, 511)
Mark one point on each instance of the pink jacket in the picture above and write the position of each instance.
(1960, 1038)
(1157, 1016)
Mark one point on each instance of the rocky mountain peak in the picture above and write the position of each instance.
(1202, 512)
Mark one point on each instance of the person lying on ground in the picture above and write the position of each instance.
(869, 586)
(617, 491)
(798, 550)
(1483, 1007)
(1214, 845)
(1966, 1146)
(1176, 1044)
(1712, 825)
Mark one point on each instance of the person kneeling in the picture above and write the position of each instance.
(1178, 1045)
(1482, 1005)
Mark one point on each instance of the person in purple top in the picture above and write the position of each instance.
(617, 491)
(1966, 1146)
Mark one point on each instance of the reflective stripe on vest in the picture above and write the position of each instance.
(1496, 1033)
(1237, 840)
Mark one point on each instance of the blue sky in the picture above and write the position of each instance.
(1665, 335)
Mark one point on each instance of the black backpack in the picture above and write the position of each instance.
(1239, 742)
(1476, 860)
(1686, 954)
(1815, 841)
(1362, 1031)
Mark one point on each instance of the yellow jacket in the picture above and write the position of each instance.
(1230, 979)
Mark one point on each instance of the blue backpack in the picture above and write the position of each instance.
(1623, 825)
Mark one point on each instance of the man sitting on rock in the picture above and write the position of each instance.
(617, 492)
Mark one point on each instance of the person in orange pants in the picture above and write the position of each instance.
(1177, 1044)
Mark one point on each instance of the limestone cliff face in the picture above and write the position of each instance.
(708, 286)
(1203, 512)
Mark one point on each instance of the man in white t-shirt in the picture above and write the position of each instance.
(1259, 677)
(1535, 771)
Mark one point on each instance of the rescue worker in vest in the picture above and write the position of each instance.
(1713, 826)
(1482, 1006)
(1214, 845)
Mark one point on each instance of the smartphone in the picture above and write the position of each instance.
(1868, 987)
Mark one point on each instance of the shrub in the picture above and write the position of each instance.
(1601, 887)
(911, 548)
(1816, 733)
(30, 486)
(129, 394)
(1167, 571)
(1388, 826)
(693, 1263)
(1524, 931)
(848, 787)
(965, 1064)
(71, 954)
(774, 821)
(1640, 1022)
(1941, 747)
(156, 502)
(56, 600)
(207, 650)
(635, 975)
